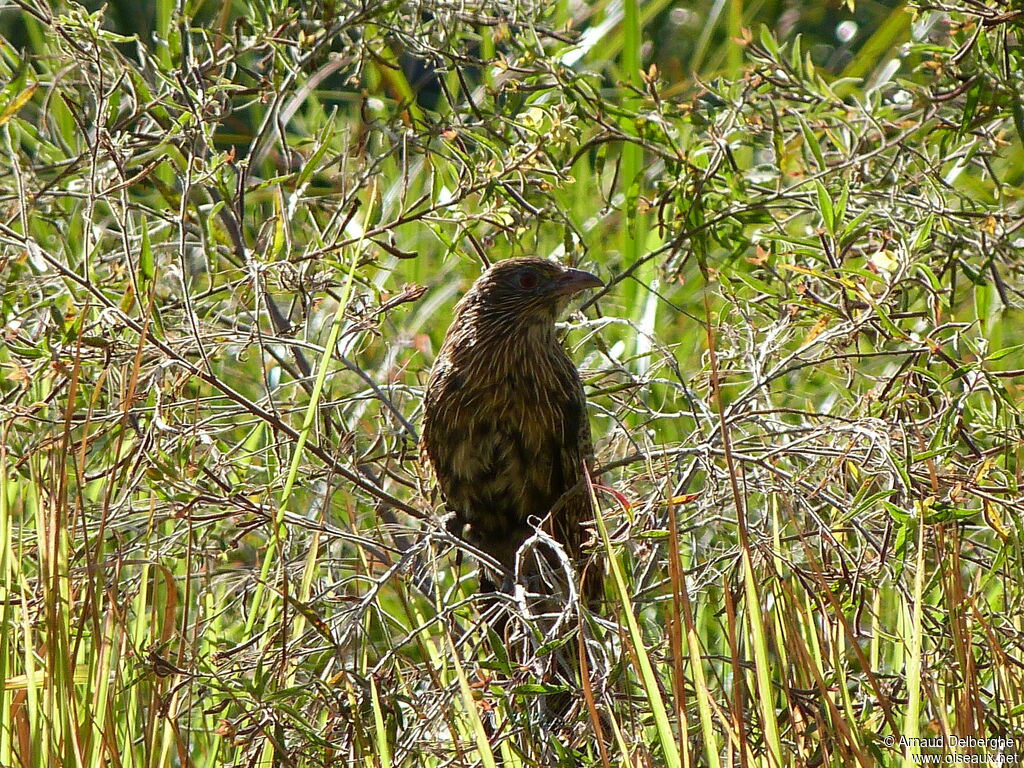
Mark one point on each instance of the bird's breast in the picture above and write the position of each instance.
(497, 437)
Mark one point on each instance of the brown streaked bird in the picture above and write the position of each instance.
(505, 424)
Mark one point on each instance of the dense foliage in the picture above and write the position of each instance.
(232, 235)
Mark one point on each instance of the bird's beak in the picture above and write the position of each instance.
(574, 281)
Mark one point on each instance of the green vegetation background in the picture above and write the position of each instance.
(231, 236)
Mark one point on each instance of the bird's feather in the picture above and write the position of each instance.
(505, 425)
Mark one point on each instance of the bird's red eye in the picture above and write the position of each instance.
(528, 280)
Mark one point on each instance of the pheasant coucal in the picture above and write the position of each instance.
(505, 425)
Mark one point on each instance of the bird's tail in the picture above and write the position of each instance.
(552, 601)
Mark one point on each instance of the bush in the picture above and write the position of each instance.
(232, 240)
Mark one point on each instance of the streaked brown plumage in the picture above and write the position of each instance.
(505, 425)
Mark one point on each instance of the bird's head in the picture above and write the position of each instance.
(528, 291)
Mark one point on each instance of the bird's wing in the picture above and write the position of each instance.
(577, 449)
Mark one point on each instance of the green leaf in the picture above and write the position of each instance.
(324, 143)
(11, 108)
(767, 41)
(811, 141)
(828, 215)
(632, 199)
(146, 268)
(1001, 353)
(923, 234)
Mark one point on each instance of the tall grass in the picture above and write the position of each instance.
(230, 248)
